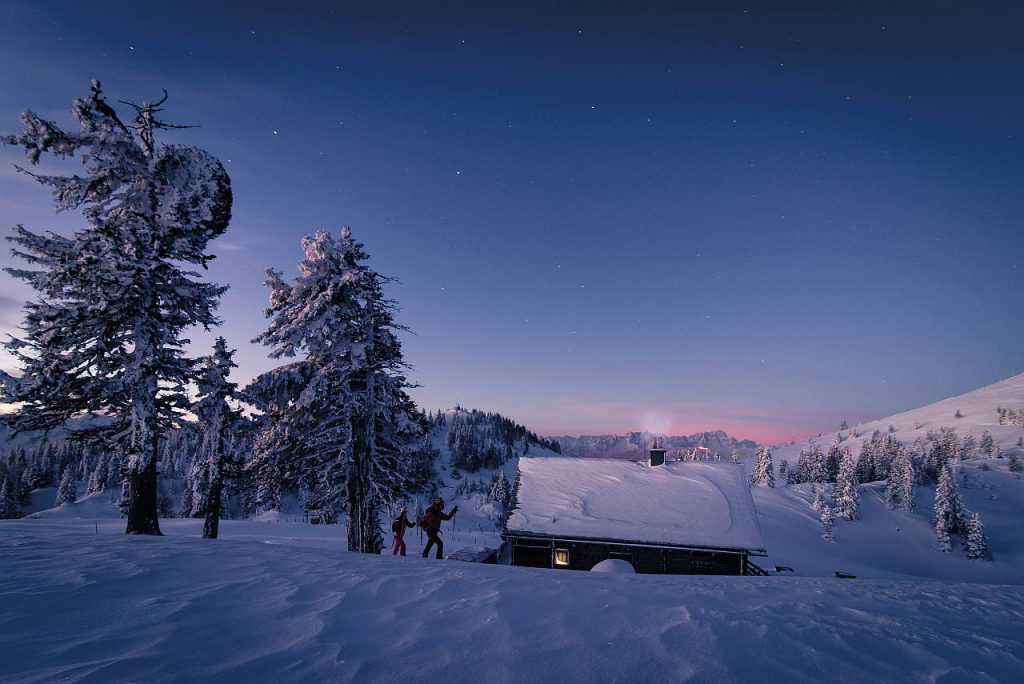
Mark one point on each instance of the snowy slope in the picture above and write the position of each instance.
(885, 544)
(978, 415)
(284, 603)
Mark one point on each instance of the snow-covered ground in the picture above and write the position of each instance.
(80, 601)
(886, 544)
(283, 601)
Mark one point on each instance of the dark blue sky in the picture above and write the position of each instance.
(604, 217)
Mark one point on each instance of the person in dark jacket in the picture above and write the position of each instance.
(398, 528)
(432, 520)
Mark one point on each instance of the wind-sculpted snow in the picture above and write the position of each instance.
(76, 606)
(691, 503)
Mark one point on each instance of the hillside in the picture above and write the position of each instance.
(978, 412)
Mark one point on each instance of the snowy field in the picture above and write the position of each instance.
(285, 603)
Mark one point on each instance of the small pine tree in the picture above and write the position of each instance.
(784, 472)
(819, 500)
(970, 447)
(977, 542)
(764, 472)
(899, 486)
(827, 522)
(8, 502)
(846, 495)
(949, 510)
(942, 535)
(958, 415)
(1015, 464)
(986, 446)
(67, 492)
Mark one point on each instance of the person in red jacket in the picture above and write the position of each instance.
(432, 520)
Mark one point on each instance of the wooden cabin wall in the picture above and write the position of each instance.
(538, 553)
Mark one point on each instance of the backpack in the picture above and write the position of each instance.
(396, 526)
(428, 518)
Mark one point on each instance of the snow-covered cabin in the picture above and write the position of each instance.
(676, 517)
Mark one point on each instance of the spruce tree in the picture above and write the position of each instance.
(67, 492)
(827, 522)
(987, 445)
(8, 500)
(105, 332)
(977, 542)
(832, 461)
(949, 510)
(942, 538)
(217, 420)
(339, 417)
(763, 474)
(846, 496)
(899, 486)
(784, 472)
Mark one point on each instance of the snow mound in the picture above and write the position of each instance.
(615, 566)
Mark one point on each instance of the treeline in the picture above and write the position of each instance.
(485, 441)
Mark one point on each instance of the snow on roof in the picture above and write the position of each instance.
(679, 503)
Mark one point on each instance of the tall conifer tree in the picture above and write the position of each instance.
(105, 333)
(338, 420)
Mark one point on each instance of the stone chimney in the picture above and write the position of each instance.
(656, 454)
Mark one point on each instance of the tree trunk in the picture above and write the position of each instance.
(142, 515)
(212, 523)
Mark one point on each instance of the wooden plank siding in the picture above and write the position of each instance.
(539, 552)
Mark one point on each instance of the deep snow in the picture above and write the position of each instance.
(285, 603)
(683, 503)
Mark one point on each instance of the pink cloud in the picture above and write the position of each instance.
(768, 424)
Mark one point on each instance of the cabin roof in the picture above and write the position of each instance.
(679, 503)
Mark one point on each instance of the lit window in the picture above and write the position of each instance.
(561, 558)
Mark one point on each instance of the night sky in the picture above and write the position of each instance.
(674, 217)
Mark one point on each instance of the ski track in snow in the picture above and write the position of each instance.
(83, 607)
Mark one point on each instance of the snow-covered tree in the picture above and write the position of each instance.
(763, 474)
(899, 485)
(810, 465)
(827, 522)
(949, 510)
(9, 507)
(969, 447)
(819, 500)
(67, 492)
(338, 418)
(217, 420)
(846, 496)
(977, 542)
(832, 461)
(105, 332)
(784, 472)
(942, 538)
(986, 446)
